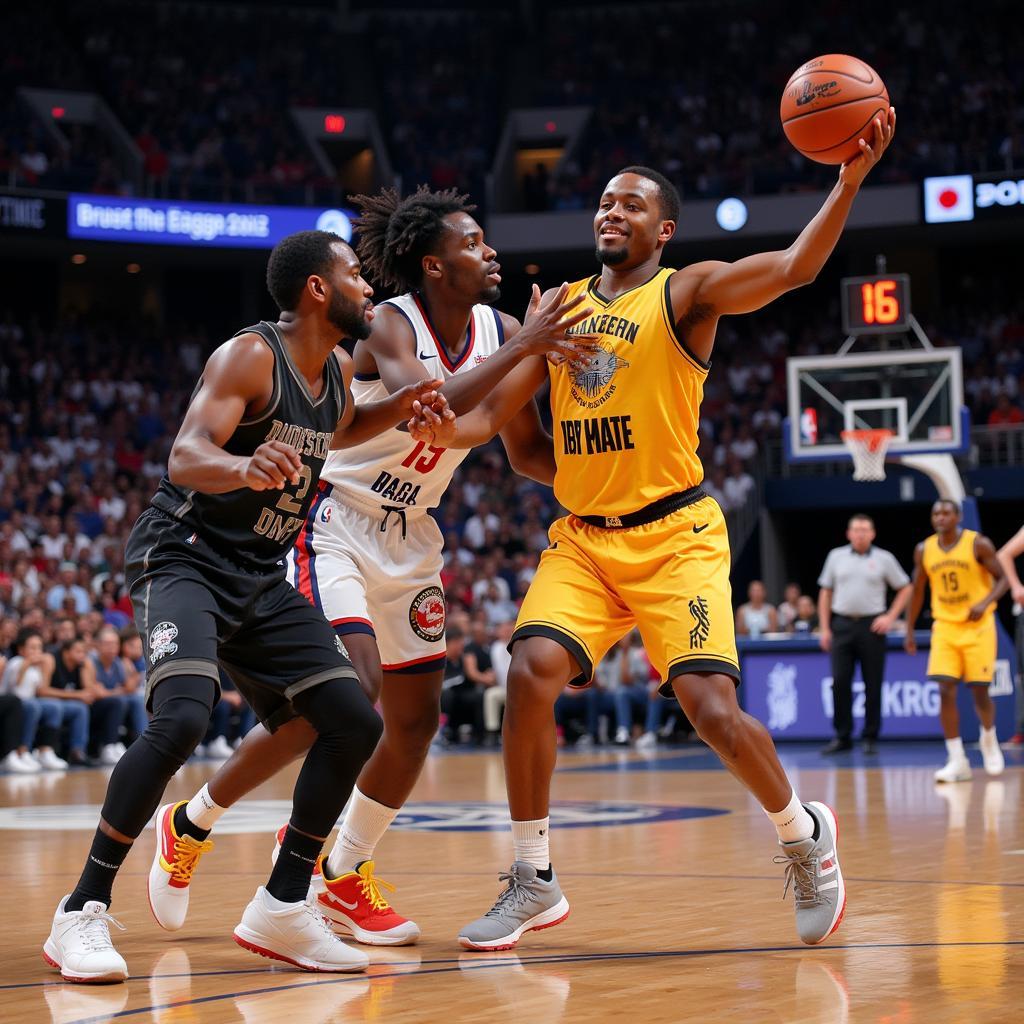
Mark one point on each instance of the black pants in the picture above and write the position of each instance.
(464, 705)
(10, 723)
(852, 642)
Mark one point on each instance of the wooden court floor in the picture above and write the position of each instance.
(674, 918)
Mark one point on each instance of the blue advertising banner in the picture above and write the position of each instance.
(789, 688)
(216, 225)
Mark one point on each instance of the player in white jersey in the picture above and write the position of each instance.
(370, 555)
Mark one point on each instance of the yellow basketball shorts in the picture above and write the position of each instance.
(670, 578)
(963, 651)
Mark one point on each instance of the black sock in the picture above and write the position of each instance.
(289, 881)
(105, 860)
(184, 825)
(547, 874)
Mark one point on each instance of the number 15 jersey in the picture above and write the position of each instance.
(391, 468)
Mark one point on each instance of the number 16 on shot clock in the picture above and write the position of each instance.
(879, 304)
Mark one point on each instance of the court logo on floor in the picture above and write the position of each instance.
(268, 815)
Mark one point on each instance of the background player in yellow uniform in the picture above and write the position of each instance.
(644, 546)
(966, 580)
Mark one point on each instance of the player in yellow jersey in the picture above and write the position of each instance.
(643, 545)
(966, 580)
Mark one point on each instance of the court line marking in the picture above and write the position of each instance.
(568, 958)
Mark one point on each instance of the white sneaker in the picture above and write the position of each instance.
(49, 760)
(30, 761)
(219, 749)
(109, 754)
(991, 754)
(199, 752)
(956, 769)
(299, 935)
(15, 763)
(79, 945)
(649, 741)
(621, 736)
(120, 748)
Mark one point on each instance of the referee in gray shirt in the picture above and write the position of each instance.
(853, 624)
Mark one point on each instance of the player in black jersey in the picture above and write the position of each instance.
(205, 572)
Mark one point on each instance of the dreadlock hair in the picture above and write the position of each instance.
(395, 233)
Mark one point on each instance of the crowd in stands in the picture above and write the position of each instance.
(205, 91)
(88, 410)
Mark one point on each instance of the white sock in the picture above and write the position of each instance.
(364, 824)
(530, 842)
(793, 823)
(203, 811)
(989, 735)
(955, 749)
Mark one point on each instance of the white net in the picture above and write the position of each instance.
(868, 448)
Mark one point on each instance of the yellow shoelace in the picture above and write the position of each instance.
(370, 887)
(187, 852)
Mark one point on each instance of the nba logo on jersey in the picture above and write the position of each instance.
(809, 426)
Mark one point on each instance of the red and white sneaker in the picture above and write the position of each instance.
(174, 862)
(355, 905)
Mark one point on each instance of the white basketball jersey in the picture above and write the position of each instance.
(391, 468)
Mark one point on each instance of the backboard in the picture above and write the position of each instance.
(917, 394)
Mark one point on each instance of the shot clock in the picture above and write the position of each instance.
(879, 304)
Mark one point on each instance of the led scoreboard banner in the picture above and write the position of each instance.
(879, 304)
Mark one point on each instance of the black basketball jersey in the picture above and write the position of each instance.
(257, 528)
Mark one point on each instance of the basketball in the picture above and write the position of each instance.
(828, 105)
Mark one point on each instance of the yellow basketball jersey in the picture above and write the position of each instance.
(957, 579)
(626, 426)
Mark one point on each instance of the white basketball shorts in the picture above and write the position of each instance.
(378, 573)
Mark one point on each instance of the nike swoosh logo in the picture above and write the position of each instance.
(423, 355)
(331, 898)
(701, 529)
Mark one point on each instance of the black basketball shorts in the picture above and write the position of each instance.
(196, 610)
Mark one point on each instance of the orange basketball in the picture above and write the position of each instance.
(829, 104)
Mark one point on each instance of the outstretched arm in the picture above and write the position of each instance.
(1007, 554)
(985, 552)
(703, 292)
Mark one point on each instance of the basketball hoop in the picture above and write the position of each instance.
(867, 449)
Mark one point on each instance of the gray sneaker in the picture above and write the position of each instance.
(527, 905)
(812, 869)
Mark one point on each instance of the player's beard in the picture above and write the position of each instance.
(348, 317)
(611, 257)
(489, 296)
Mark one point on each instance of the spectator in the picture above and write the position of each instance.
(477, 526)
(494, 696)
(67, 593)
(787, 610)
(738, 484)
(1005, 414)
(119, 679)
(476, 662)
(806, 620)
(757, 616)
(27, 675)
(462, 700)
(11, 727)
(74, 678)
